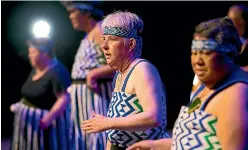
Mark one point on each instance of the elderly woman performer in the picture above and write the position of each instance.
(138, 107)
(42, 114)
(216, 117)
(92, 77)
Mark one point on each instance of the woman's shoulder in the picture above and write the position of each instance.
(238, 90)
(95, 36)
(231, 98)
(238, 86)
(145, 67)
(59, 69)
(144, 64)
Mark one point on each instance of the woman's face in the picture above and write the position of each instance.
(35, 56)
(114, 48)
(79, 20)
(206, 64)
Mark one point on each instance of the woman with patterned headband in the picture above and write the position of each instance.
(138, 106)
(216, 117)
(92, 77)
(239, 15)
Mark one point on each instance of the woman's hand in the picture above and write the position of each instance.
(57, 109)
(91, 81)
(44, 123)
(162, 144)
(142, 145)
(96, 124)
(13, 107)
(69, 89)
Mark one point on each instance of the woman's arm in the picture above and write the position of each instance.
(60, 81)
(148, 88)
(232, 125)
(108, 145)
(57, 109)
(102, 72)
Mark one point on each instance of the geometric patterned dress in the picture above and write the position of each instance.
(88, 57)
(122, 105)
(197, 130)
(84, 100)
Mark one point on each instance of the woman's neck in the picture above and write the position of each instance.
(95, 34)
(92, 24)
(125, 65)
(44, 66)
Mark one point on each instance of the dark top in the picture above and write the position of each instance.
(242, 59)
(42, 92)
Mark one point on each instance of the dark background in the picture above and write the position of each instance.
(167, 38)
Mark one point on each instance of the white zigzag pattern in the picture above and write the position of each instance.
(88, 56)
(184, 118)
(134, 139)
(115, 105)
(213, 139)
(120, 32)
(181, 133)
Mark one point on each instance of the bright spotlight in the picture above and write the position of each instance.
(41, 29)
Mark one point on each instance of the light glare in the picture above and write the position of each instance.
(41, 29)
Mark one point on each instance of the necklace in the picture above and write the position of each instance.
(119, 81)
(197, 101)
(122, 74)
(119, 78)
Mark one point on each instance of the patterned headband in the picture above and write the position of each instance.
(120, 32)
(213, 45)
(80, 6)
(42, 44)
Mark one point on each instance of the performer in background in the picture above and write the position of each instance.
(239, 15)
(92, 77)
(41, 117)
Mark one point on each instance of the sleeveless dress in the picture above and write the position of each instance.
(123, 104)
(197, 130)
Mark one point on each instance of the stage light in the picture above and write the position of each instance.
(41, 29)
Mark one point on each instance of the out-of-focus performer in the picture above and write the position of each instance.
(92, 77)
(138, 105)
(216, 118)
(242, 59)
(41, 117)
(239, 15)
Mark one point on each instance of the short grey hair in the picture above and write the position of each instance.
(128, 21)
